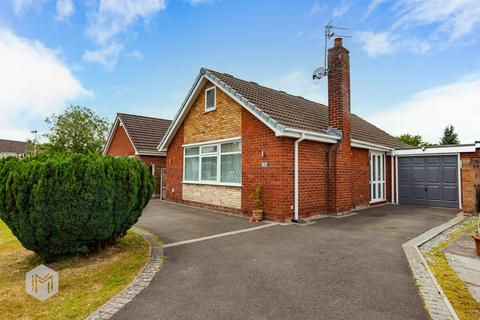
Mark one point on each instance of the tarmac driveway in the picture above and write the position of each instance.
(348, 268)
(174, 222)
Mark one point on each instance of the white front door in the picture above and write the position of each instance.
(377, 177)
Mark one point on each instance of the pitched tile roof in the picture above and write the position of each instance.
(300, 113)
(145, 132)
(12, 146)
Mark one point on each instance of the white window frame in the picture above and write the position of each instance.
(218, 154)
(214, 99)
(379, 180)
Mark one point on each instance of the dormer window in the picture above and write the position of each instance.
(210, 99)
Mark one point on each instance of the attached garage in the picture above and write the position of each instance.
(429, 180)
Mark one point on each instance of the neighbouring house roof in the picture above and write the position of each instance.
(145, 133)
(286, 114)
(12, 146)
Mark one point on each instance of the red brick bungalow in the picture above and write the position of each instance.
(139, 136)
(231, 135)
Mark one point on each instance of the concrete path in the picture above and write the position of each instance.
(463, 259)
(350, 268)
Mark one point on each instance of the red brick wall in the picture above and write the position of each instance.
(120, 145)
(312, 180)
(340, 154)
(276, 179)
(470, 175)
(174, 165)
(360, 177)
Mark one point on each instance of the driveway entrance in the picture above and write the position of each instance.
(337, 268)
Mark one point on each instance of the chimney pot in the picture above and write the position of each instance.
(338, 42)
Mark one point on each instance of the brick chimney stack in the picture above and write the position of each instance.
(339, 119)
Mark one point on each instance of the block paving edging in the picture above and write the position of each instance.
(141, 281)
(435, 299)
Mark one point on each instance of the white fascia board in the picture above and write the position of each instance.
(308, 135)
(435, 150)
(212, 142)
(370, 146)
(179, 117)
(146, 153)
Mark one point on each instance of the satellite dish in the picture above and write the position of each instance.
(319, 73)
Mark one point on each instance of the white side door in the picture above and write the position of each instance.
(377, 177)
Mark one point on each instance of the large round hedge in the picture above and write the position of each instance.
(72, 203)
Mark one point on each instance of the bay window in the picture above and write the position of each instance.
(219, 163)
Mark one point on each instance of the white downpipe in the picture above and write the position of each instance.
(302, 137)
(396, 179)
(392, 178)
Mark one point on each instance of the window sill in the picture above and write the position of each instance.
(210, 110)
(221, 184)
(378, 201)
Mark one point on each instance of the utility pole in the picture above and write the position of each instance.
(34, 142)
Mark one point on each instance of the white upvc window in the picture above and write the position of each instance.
(377, 177)
(216, 163)
(210, 99)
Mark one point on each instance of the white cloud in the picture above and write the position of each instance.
(116, 16)
(428, 112)
(65, 9)
(383, 43)
(34, 82)
(341, 9)
(374, 4)
(111, 18)
(199, 2)
(453, 18)
(299, 82)
(106, 55)
(316, 8)
(376, 44)
(441, 23)
(20, 6)
(136, 54)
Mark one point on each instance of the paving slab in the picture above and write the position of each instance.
(464, 261)
(176, 222)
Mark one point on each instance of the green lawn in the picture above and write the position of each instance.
(85, 283)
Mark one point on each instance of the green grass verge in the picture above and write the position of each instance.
(465, 305)
(85, 282)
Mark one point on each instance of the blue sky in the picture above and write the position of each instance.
(415, 64)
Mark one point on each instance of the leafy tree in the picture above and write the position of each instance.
(449, 136)
(78, 130)
(412, 140)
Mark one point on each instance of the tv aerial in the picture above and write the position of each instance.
(330, 32)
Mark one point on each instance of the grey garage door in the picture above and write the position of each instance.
(429, 181)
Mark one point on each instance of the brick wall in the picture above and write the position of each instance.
(340, 154)
(312, 180)
(120, 144)
(276, 179)
(470, 173)
(219, 196)
(360, 177)
(174, 164)
(224, 122)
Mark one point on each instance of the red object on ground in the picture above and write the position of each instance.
(477, 244)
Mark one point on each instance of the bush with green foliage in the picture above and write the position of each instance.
(68, 204)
